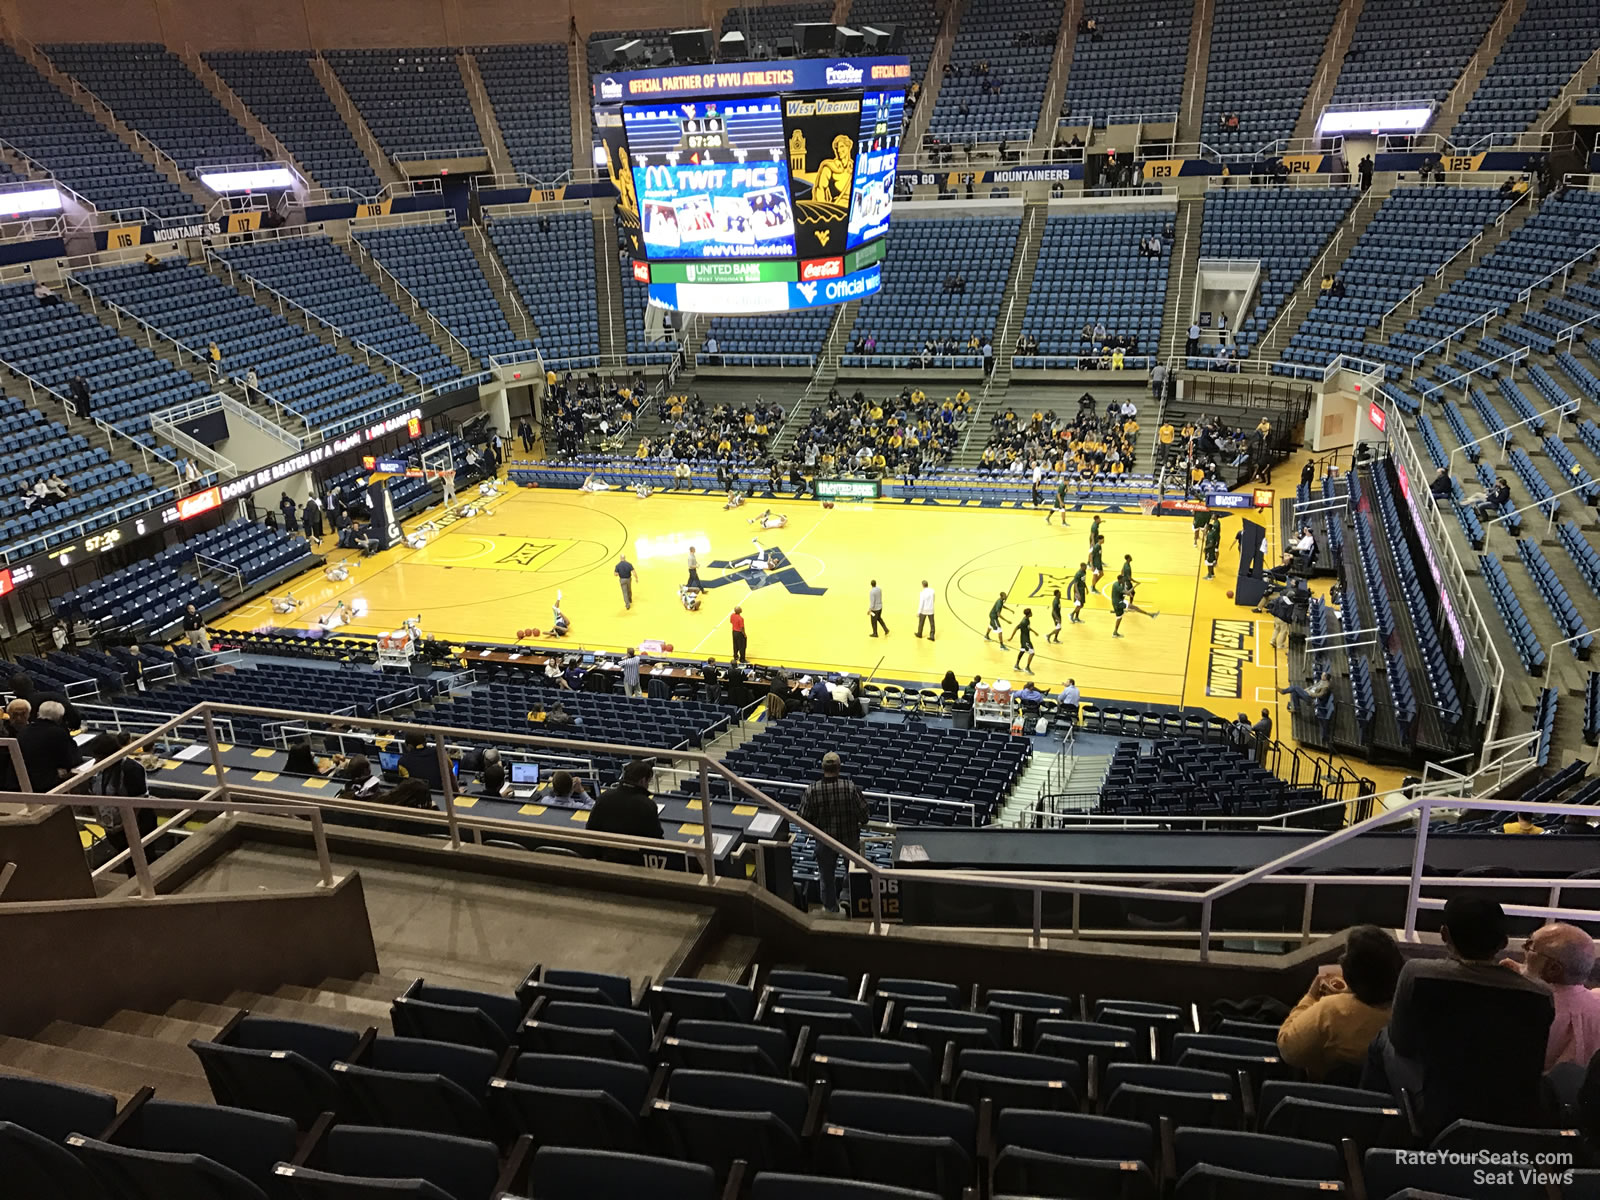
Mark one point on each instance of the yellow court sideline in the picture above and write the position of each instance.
(488, 576)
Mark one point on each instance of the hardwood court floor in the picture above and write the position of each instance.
(486, 577)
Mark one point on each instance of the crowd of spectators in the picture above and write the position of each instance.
(730, 434)
(586, 408)
(1199, 452)
(906, 435)
(1090, 445)
(1387, 1023)
(42, 493)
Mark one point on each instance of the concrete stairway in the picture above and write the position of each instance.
(943, 44)
(312, 325)
(253, 125)
(1328, 67)
(101, 112)
(505, 294)
(433, 329)
(1055, 87)
(579, 98)
(488, 125)
(132, 1049)
(1437, 285)
(1194, 72)
(163, 346)
(376, 158)
(1182, 267)
(1014, 300)
(1582, 80)
(608, 285)
(1340, 242)
(1477, 67)
(833, 346)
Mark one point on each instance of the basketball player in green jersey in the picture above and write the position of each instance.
(1119, 605)
(1078, 592)
(996, 619)
(1025, 640)
(1129, 583)
(1097, 560)
(1060, 508)
(1055, 617)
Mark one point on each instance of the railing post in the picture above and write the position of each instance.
(216, 758)
(708, 851)
(319, 836)
(877, 902)
(1419, 851)
(1038, 918)
(447, 780)
(141, 863)
(1305, 914)
(1205, 930)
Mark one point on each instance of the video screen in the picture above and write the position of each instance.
(709, 178)
(877, 156)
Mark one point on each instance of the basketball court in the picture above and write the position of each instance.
(489, 576)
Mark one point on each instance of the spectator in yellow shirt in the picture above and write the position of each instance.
(1344, 1008)
(1523, 823)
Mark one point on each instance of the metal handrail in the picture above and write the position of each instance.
(1441, 788)
(1525, 296)
(1460, 592)
(152, 331)
(418, 309)
(400, 156)
(288, 302)
(1516, 356)
(1491, 40)
(1479, 322)
(1569, 94)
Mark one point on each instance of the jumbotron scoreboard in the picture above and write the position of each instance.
(754, 187)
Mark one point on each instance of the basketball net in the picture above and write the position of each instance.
(1147, 505)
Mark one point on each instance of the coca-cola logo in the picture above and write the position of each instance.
(822, 268)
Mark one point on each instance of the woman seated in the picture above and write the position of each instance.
(1327, 1033)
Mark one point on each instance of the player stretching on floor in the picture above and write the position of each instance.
(996, 618)
(769, 520)
(1129, 583)
(1025, 640)
(1097, 560)
(1078, 592)
(1055, 617)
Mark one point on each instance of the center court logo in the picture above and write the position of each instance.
(842, 75)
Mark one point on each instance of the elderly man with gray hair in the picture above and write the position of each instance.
(48, 750)
(1561, 956)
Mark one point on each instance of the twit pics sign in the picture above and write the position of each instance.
(820, 133)
(708, 179)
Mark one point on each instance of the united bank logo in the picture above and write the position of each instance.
(610, 89)
(842, 75)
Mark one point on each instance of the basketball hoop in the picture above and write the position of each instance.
(1147, 505)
